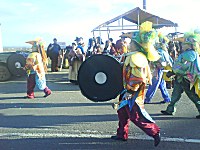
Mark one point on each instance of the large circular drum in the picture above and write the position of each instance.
(100, 78)
(16, 62)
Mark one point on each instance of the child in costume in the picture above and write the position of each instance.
(36, 67)
(187, 73)
(158, 68)
(136, 74)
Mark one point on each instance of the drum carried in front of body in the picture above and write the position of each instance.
(100, 78)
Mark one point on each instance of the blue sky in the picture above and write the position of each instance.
(24, 20)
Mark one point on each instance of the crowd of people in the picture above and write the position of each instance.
(77, 52)
(152, 59)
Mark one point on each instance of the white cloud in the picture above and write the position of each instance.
(67, 19)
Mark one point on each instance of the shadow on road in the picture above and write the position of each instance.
(50, 105)
(89, 144)
(57, 81)
(44, 121)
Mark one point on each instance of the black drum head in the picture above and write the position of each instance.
(100, 78)
(15, 63)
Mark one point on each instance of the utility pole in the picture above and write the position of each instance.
(144, 4)
(1, 46)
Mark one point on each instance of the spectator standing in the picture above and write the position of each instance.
(75, 59)
(99, 50)
(53, 51)
(107, 47)
(91, 47)
(121, 46)
(80, 44)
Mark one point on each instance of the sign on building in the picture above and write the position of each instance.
(62, 45)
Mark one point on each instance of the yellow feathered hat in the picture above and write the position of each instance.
(145, 38)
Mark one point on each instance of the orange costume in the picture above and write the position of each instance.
(36, 67)
(136, 74)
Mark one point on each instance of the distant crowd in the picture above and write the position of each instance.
(73, 55)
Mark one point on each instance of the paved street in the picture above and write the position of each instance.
(67, 120)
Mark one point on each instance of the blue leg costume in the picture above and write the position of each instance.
(157, 83)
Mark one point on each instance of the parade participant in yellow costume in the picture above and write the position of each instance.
(136, 74)
(36, 66)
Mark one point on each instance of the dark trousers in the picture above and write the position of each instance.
(125, 116)
(31, 85)
(54, 63)
(179, 88)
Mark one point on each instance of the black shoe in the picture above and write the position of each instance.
(198, 117)
(118, 138)
(165, 112)
(157, 139)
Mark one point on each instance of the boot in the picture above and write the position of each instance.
(118, 138)
(157, 139)
(47, 92)
(30, 95)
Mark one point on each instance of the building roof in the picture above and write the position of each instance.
(137, 16)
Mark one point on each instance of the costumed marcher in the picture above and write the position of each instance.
(158, 68)
(75, 58)
(136, 74)
(53, 52)
(36, 66)
(186, 69)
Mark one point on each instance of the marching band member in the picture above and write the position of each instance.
(36, 67)
(186, 69)
(159, 78)
(136, 74)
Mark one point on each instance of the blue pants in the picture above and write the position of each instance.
(157, 83)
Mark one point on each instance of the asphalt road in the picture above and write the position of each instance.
(67, 120)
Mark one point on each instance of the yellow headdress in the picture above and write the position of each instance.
(38, 46)
(147, 37)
